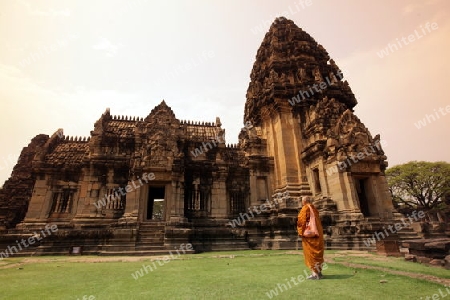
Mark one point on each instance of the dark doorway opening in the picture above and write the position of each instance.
(155, 203)
(362, 196)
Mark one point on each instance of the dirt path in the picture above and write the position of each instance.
(395, 272)
(369, 256)
(76, 259)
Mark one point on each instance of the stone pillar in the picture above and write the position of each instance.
(382, 194)
(350, 201)
(282, 131)
(139, 188)
(38, 206)
(253, 187)
(219, 199)
(175, 204)
(132, 205)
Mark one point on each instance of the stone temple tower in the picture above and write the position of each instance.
(301, 110)
(146, 185)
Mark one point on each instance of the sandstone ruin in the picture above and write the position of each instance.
(301, 138)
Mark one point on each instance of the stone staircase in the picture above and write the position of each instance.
(150, 237)
(214, 236)
(149, 240)
(407, 233)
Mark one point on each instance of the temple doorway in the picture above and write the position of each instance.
(155, 204)
(361, 189)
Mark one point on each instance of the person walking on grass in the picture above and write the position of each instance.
(309, 228)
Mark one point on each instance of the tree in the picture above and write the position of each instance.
(420, 184)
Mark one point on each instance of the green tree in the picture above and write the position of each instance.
(420, 184)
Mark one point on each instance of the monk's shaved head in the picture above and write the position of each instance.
(306, 200)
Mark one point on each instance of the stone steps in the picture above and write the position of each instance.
(151, 236)
(407, 233)
(144, 253)
(220, 244)
(150, 240)
(212, 235)
(149, 247)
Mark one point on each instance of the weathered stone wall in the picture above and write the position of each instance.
(17, 190)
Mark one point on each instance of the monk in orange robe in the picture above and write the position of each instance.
(313, 247)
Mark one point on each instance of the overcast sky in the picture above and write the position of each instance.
(62, 63)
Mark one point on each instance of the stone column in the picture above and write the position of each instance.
(219, 199)
(131, 212)
(282, 132)
(175, 204)
(253, 187)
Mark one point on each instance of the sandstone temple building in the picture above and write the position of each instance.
(145, 184)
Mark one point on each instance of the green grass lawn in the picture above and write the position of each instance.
(395, 263)
(231, 275)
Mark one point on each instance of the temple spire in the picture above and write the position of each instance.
(290, 63)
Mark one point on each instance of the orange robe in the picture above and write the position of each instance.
(313, 247)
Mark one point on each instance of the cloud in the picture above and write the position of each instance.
(49, 13)
(413, 7)
(105, 45)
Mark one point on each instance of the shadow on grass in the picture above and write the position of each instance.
(336, 276)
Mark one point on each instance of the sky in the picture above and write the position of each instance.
(64, 62)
